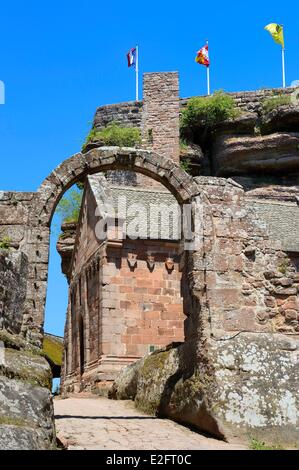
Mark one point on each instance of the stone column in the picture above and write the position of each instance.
(161, 112)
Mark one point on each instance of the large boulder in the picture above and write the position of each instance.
(238, 388)
(26, 411)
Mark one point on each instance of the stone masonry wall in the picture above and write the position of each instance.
(252, 285)
(14, 211)
(13, 286)
(145, 302)
(129, 114)
(160, 114)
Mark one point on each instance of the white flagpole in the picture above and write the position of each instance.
(208, 75)
(283, 68)
(137, 73)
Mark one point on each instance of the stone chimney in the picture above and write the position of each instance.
(161, 112)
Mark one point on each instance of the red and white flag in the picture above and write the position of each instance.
(203, 56)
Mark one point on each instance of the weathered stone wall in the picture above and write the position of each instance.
(14, 211)
(282, 220)
(251, 283)
(13, 287)
(160, 114)
(129, 114)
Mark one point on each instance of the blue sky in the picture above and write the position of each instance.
(60, 60)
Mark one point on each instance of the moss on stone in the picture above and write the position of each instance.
(148, 407)
(18, 343)
(53, 349)
(11, 341)
(26, 367)
(10, 421)
(155, 361)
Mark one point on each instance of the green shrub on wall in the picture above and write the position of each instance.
(270, 104)
(5, 243)
(115, 135)
(208, 110)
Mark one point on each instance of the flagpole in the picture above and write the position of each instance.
(283, 69)
(208, 76)
(137, 73)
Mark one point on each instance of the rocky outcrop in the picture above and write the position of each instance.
(283, 118)
(272, 154)
(193, 158)
(236, 393)
(13, 284)
(65, 246)
(26, 410)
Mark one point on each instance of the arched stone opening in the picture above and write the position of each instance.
(75, 169)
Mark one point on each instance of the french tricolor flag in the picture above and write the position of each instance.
(131, 56)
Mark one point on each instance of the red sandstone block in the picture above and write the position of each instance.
(148, 339)
(153, 315)
(134, 297)
(166, 332)
(174, 309)
(159, 283)
(157, 275)
(131, 350)
(165, 299)
(117, 280)
(144, 283)
(169, 292)
(126, 339)
(175, 324)
(158, 306)
(165, 340)
(154, 291)
(125, 289)
(128, 281)
(125, 304)
(140, 290)
(132, 330)
(137, 339)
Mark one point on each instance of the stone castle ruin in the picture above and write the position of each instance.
(207, 319)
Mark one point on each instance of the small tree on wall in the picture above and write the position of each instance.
(68, 208)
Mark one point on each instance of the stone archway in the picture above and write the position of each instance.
(36, 246)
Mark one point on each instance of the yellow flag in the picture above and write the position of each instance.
(276, 31)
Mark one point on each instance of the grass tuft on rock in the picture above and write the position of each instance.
(270, 104)
(114, 135)
(255, 444)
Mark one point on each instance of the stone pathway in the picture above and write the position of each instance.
(99, 423)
